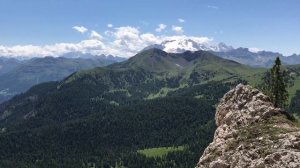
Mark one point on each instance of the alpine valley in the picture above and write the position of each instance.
(155, 109)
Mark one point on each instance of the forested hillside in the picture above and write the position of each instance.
(105, 117)
(18, 76)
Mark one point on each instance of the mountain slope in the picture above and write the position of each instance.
(7, 64)
(104, 58)
(143, 75)
(103, 116)
(246, 56)
(180, 44)
(38, 70)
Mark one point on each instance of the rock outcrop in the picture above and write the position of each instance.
(251, 133)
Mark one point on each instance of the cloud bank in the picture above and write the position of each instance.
(123, 41)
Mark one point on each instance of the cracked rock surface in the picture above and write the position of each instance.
(251, 133)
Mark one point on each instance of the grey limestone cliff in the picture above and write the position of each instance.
(251, 133)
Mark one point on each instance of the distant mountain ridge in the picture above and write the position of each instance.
(257, 59)
(242, 55)
(92, 56)
(69, 55)
(17, 76)
(7, 64)
(181, 45)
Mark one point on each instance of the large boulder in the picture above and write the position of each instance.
(251, 133)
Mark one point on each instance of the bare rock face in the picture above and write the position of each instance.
(251, 133)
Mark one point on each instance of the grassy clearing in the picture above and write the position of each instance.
(159, 152)
(163, 92)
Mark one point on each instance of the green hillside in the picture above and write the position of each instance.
(38, 70)
(103, 116)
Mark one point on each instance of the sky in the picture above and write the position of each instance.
(123, 27)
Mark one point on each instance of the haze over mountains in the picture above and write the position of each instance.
(17, 75)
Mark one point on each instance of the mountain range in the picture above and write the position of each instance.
(180, 44)
(113, 115)
(242, 55)
(7, 64)
(17, 75)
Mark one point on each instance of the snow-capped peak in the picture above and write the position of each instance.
(179, 44)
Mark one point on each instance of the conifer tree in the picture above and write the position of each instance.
(277, 86)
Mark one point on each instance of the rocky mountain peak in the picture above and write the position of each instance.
(251, 133)
(244, 105)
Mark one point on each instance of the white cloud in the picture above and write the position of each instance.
(80, 29)
(177, 29)
(149, 39)
(85, 46)
(123, 41)
(95, 35)
(180, 20)
(161, 27)
(126, 33)
(199, 40)
(108, 33)
(127, 40)
(255, 50)
(110, 25)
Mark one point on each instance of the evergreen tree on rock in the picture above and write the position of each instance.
(277, 89)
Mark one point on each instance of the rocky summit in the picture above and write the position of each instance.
(252, 133)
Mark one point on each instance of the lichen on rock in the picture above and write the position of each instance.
(251, 133)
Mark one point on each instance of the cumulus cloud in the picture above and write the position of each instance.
(161, 27)
(110, 25)
(127, 40)
(126, 33)
(177, 29)
(149, 39)
(85, 46)
(123, 41)
(95, 35)
(80, 29)
(180, 20)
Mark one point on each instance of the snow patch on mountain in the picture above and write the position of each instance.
(179, 44)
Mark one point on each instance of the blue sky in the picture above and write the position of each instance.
(265, 24)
